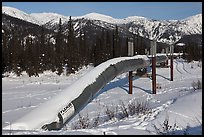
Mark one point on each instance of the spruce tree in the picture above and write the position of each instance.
(82, 48)
(117, 43)
(73, 62)
(15, 52)
(108, 46)
(58, 48)
(43, 57)
(29, 57)
(5, 52)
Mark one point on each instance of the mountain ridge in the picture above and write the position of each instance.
(92, 15)
(166, 31)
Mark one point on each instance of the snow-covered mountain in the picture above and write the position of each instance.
(43, 18)
(19, 14)
(52, 18)
(166, 31)
(192, 24)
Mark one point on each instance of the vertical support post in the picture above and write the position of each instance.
(130, 53)
(130, 82)
(167, 56)
(153, 47)
(171, 63)
(130, 47)
(154, 75)
(171, 67)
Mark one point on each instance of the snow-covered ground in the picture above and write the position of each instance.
(176, 101)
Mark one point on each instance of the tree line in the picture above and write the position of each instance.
(61, 52)
(64, 51)
(191, 51)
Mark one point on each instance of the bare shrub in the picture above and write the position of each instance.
(96, 121)
(197, 85)
(82, 123)
(123, 110)
(192, 66)
(165, 128)
(138, 107)
(113, 112)
(110, 112)
(199, 64)
(132, 108)
(194, 85)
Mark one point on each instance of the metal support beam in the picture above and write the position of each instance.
(130, 82)
(154, 52)
(154, 75)
(167, 51)
(130, 53)
(171, 68)
(171, 62)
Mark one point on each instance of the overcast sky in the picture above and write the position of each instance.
(152, 10)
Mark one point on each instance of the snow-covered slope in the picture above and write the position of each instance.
(176, 100)
(58, 102)
(101, 17)
(192, 24)
(109, 19)
(43, 18)
(52, 18)
(19, 14)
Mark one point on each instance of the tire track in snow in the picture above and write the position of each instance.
(172, 89)
(15, 87)
(178, 63)
(43, 92)
(185, 68)
(19, 132)
(181, 115)
(177, 68)
(17, 109)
